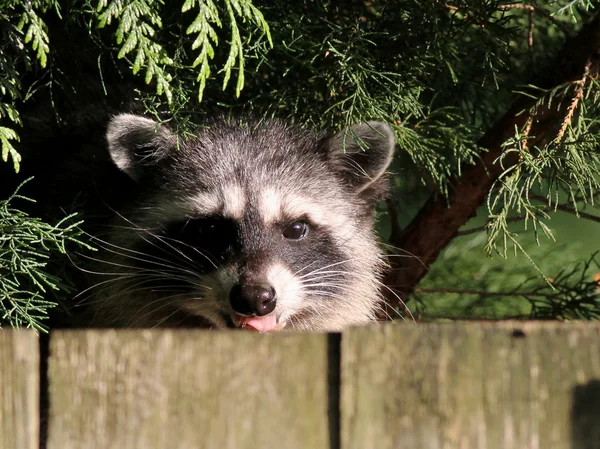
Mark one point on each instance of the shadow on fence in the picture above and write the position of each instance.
(585, 415)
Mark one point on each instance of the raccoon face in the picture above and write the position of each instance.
(258, 226)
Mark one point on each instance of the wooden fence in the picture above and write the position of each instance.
(451, 386)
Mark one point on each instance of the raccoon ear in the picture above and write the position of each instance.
(363, 153)
(135, 142)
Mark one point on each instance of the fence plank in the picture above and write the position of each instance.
(457, 386)
(19, 390)
(188, 389)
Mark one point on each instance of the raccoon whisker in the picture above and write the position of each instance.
(151, 276)
(334, 282)
(331, 286)
(184, 256)
(406, 253)
(168, 303)
(88, 271)
(317, 310)
(381, 284)
(206, 314)
(323, 282)
(194, 248)
(158, 261)
(325, 267)
(132, 289)
(399, 299)
(138, 228)
(330, 295)
(129, 250)
(127, 276)
(381, 309)
(180, 254)
(346, 273)
(407, 256)
(144, 256)
(137, 318)
(174, 271)
(325, 275)
(164, 266)
(352, 259)
(165, 319)
(331, 273)
(304, 268)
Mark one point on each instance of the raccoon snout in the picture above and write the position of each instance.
(252, 300)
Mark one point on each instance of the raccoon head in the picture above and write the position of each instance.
(256, 225)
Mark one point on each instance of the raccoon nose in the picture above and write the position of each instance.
(253, 300)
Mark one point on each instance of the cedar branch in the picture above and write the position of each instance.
(436, 224)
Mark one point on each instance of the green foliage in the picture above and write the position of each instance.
(564, 172)
(466, 284)
(138, 33)
(36, 34)
(138, 22)
(206, 37)
(26, 247)
(441, 73)
(6, 135)
(17, 18)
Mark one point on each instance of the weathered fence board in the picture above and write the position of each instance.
(19, 390)
(511, 386)
(188, 389)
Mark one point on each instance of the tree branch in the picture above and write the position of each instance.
(483, 292)
(530, 8)
(568, 209)
(436, 224)
(484, 227)
(541, 11)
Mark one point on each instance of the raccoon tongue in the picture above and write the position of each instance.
(259, 323)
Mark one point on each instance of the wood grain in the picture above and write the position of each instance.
(188, 389)
(457, 386)
(19, 390)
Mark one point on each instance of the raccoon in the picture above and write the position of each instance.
(253, 225)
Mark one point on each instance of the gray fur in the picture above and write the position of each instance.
(328, 280)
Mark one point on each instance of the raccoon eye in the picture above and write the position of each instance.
(296, 230)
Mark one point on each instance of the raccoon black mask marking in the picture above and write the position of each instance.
(259, 226)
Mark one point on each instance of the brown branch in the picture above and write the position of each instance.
(530, 36)
(435, 316)
(568, 209)
(484, 227)
(531, 8)
(561, 207)
(580, 87)
(461, 291)
(450, 7)
(436, 224)
(541, 11)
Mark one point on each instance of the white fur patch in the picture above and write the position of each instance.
(207, 203)
(234, 201)
(288, 288)
(229, 201)
(274, 206)
(269, 205)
